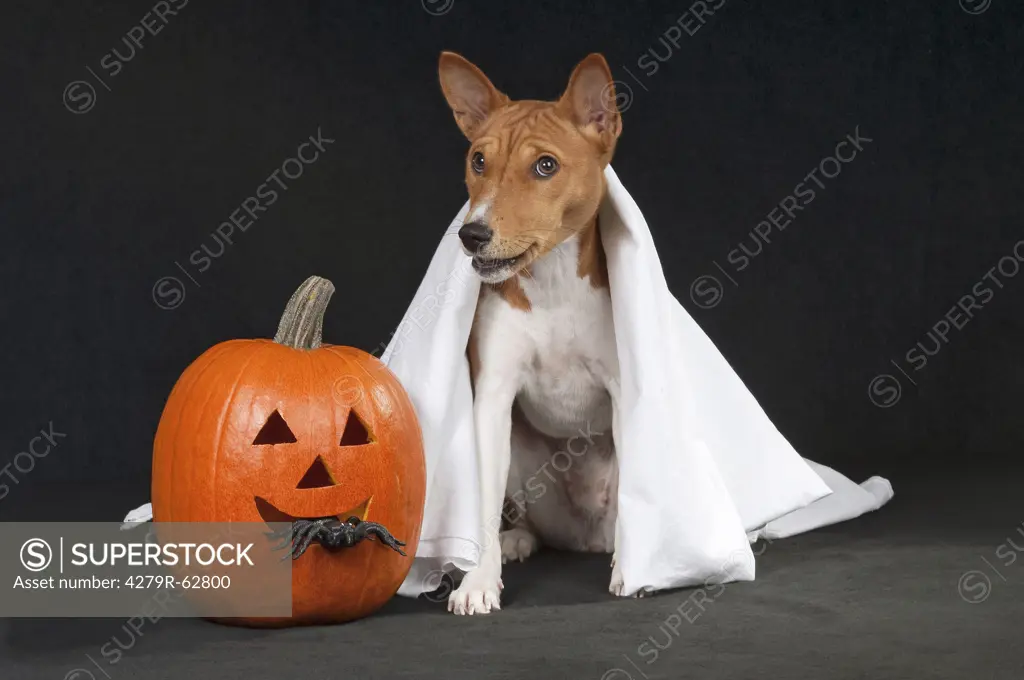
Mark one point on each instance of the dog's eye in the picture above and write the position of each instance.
(545, 166)
(478, 163)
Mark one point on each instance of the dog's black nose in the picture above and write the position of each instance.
(475, 236)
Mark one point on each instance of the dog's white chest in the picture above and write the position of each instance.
(570, 354)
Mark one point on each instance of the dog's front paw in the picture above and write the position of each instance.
(478, 594)
(517, 544)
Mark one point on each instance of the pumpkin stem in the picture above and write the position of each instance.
(302, 324)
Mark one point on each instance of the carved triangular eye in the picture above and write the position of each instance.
(275, 431)
(355, 433)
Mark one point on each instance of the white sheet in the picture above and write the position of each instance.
(701, 466)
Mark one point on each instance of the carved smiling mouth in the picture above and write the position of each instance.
(269, 513)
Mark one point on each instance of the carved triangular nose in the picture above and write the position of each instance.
(316, 476)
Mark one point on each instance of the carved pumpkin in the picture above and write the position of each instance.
(273, 431)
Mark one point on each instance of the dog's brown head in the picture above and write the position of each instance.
(534, 169)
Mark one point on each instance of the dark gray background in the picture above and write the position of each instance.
(97, 207)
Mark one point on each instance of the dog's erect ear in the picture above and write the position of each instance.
(590, 101)
(468, 91)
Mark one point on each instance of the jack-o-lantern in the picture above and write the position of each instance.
(276, 431)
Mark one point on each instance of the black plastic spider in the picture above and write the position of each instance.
(331, 533)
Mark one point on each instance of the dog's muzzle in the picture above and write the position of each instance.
(475, 235)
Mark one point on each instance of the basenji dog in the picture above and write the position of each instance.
(542, 347)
